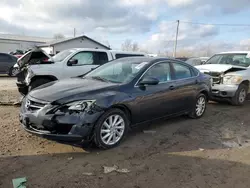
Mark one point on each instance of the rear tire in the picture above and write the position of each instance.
(13, 71)
(240, 95)
(38, 82)
(118, 131)
(199, 107)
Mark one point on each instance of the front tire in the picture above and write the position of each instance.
(200, 107)
(240, 95)
(111, 129)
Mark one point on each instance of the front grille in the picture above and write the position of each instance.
(34, 105)
(215, 76)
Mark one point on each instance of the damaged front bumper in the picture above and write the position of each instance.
(220, 91)
(62, 127)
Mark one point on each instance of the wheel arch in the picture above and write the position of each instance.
(125, 109)
(246, 82)
(50, 77)
(206, 93)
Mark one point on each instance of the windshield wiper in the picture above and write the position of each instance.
(99, 78)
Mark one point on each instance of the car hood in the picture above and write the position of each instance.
(218, 68)
(68, 88)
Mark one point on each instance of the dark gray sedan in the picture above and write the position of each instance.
(7, 62)
(104, 104)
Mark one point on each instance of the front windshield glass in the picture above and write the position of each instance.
(230, 59)
(118, 71)
(62, 55)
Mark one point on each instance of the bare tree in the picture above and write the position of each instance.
(184, 53)
(135, 47)
(58, 36)
(128, 45)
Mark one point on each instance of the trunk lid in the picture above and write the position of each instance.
(33, 57)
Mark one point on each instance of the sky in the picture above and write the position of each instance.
(150, 23)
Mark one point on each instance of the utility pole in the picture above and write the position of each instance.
(176, 38)
(74, 32)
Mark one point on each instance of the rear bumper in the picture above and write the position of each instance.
(22, 88)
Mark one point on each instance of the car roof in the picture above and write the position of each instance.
(235, 52)
(126, 52)
(88, 49)
(101, 50)
(149, 59)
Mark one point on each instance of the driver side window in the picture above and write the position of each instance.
(160, 71)
(84, 58)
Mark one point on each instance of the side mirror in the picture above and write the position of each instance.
(149, 81)
(72, 62)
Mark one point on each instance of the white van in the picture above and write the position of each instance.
(37, 67)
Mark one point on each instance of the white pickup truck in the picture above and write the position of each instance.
(37, 68)
(230, 72)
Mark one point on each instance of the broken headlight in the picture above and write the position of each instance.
(232, 79)
(80, 105)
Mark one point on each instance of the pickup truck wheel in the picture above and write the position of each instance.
(38, 82)
(240, 95)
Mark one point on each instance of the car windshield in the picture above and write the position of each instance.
(118, 71)
(62, 55)
(230, 59)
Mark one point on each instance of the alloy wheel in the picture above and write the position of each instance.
(112, 129)
(242, 95)
(200, 106)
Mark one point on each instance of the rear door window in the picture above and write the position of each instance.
(100, 58)
(181, 71)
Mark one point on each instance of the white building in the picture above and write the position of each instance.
(9, 43)
(77, 42)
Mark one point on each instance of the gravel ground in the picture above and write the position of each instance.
(213, 151)
(8, 90)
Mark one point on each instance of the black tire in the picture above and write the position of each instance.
(194, 114)
(38, 82)
(236, 99)
(98, 126)
(13, 71)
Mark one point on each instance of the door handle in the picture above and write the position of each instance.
(171, 87)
